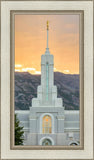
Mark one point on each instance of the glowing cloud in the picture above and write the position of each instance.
(55, 69)
(17, 70)
(28, 69)
(66, 71)
(37, 72)
(18, 65)
(24, 69)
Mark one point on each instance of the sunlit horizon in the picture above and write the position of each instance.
(19, 68)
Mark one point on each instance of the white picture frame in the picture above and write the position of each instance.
(6, 151)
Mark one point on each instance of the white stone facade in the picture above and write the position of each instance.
(62, 133)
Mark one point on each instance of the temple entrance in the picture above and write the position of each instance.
(46, 142)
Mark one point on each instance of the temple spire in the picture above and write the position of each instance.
(47, 32)
(47, 48)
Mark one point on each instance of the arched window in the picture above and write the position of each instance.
(46, 142)
(46, 124)
(73, 144)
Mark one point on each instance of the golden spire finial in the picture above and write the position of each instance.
(47, 25)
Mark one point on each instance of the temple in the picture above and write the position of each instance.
(47, 123)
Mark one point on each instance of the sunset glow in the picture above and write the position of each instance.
(30, 42)
(34, 71)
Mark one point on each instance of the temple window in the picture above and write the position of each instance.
(47, 124)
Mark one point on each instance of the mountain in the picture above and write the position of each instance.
(26, 89)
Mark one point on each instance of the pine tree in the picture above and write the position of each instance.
(18, 132)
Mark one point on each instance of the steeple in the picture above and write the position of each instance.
(47, 49)
(47, 32)
(47, 91)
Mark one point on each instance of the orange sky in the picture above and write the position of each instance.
(30, 42)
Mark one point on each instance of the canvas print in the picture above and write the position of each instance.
(47, 80)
